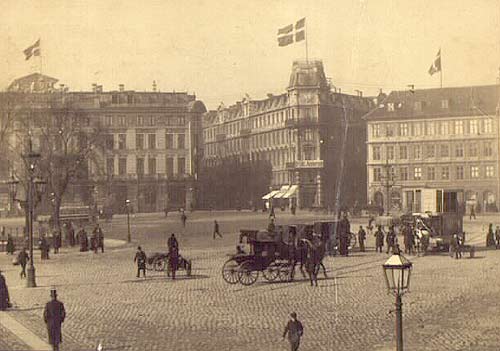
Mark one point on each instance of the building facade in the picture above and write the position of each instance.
(435, 138)
(312, 135)
(151, 142)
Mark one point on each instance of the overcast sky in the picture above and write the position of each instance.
(222, 49)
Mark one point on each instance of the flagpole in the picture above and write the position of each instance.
(307, 51)
(441, 68)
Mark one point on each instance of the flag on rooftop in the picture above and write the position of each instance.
(292, 33)
(436, 65)
(33, 50)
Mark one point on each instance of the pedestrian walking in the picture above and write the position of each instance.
(294, 330)
(11, 247)
(408, 239)
(424, 242)
(183, 218)
(83, 239)
(44, 248)
(345, 232)
(370, 224)
(99, 238)
(361, 238)
(490, 236)
(71, 234)
(455, 246)
(140, 258)
(497, 237)
(216, 229)
(93, 241)
(271, 227)
(4, 294)
(472, 213)
(173, 261)
(390, 239)
(56, 237)
(54, 315)
(23, 259)
(379, 239)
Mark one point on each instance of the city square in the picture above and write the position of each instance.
(350, 309)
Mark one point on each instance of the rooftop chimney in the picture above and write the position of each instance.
(154, 85)
(94, 87)
(98, 89)
(121, 87)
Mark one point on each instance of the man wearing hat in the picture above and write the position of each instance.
(54, 315)
(140, 258)
(4, 294)
(294, 330)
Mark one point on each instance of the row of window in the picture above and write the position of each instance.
(172, 141)
(434, 173)
(430, 128)
(170, 170)
(150, 121)
(402, 152)
(267, 120)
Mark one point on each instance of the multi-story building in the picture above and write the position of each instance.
(152, 141)
(435, 138)
(312, 134)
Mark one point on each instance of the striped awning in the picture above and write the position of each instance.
(291, 192)
(270, 195)
(281, 192)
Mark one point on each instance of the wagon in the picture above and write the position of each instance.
(273, 254)
(159, 262)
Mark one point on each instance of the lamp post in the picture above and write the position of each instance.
(35, 188)
(397, 270)
(127, 204)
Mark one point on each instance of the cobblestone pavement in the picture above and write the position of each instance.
(453, 304)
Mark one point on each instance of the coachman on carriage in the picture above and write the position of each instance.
(275, 254)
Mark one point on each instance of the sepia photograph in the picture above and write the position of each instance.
(227, 175)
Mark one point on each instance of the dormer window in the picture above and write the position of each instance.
(390, 106)
(445, 104)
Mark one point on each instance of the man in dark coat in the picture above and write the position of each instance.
(54, 315)
(100, 238)
(172, 243)
(11, 248)
(44, 248)
(295, 330)
(379, 239)
(216, 229)
(345, 231)
(409, 240)
(83, 240)
(4, 294)
(57, 240)
(71, 234)
(361, 238)
(391, 239)
(23, 259)
(140, 258)
(183, 218)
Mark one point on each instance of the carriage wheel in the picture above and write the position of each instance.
(271, 272)
(188, 268)
(159, 265)
(247, 275)
(150, 265)
(284, 273)
(230, 271)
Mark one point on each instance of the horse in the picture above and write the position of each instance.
(315, 254)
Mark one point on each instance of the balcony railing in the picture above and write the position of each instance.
(305, 164)
(301, 122)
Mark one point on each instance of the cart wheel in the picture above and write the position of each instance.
(150, 265)
(247, 276)
(159, 265)
(188, 268)
(271, 272)
(230, 271)
(284, 273)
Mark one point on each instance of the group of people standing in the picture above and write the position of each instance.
(96, 239)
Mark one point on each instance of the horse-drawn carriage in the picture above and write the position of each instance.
(276, 254)
(160, 262)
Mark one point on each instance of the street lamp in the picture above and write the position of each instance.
(397, 270)
(36, 188)
(127, 204)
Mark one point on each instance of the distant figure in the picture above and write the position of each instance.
(293, 209)
(424, 243)
(408, 239)
(370, 224)
(166, 211)
(271, 228)
(11, 248)
(183, 218)
(4, 294)
(44, 248)
(361, 238)
(379, 239)
(23, 259)
(71, 234)
(83, 239)
(54, 315)
(271, 214)
(98, 238)
(472, 213)
(295, 330)
(455, 246)
(490, 236)
(390, 239)
(93, 241)
(57, 240)
(344, 229)
(140, 258)
(216, 229)
(172, 243)
(497, 237)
